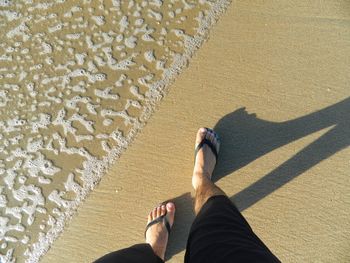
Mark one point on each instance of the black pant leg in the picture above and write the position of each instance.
(221, 234)
(134, 254)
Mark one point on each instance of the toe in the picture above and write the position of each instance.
(159, 211)
(214, 138)
(200, 135)
(163, 210)
(170, 207)
(154, 213)
(208, 135)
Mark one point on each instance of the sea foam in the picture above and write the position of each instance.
(77, 81)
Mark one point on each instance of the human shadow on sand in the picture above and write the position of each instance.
(245, 138)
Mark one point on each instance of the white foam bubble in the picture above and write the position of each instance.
(135, 91)
(123, 23)
(88, 124)
(130, 42)
(9, 14)
(57, 27)
(149, 56)
(99, 20)
(106, 94)
(43, 180)
(21, 30)
(71, 185)
(107, 122)
(56, 197)
(25, 239)
(128, 120)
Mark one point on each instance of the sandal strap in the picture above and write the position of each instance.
(160, 219)
(211, 146)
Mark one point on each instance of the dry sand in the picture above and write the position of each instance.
(287, 167)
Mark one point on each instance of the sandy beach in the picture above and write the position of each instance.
(273, 81)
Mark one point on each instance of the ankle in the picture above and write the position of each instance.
(201, 182)
(201, 173)
(158, 251)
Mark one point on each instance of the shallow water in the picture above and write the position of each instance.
(76, 83)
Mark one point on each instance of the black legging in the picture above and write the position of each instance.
(218, 234)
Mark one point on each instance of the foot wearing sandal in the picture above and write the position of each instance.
(207, 147)
(157, 231)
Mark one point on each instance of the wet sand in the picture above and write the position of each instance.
(286, 167)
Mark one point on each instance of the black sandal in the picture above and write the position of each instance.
(160, 219)
(209, 143)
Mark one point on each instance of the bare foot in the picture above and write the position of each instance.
(157, 234)
(205, 159)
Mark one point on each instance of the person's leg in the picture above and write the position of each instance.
(205, 162)
(219, 233)
(153, 251)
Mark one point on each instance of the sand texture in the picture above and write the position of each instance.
(273, 81)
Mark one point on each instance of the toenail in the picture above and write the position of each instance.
(170, 205)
